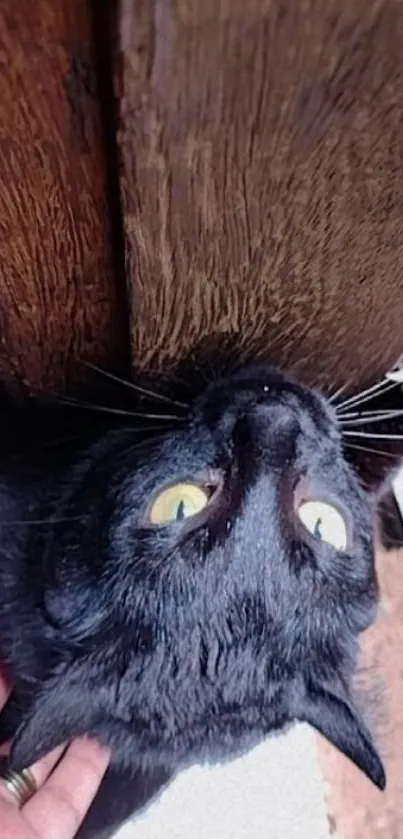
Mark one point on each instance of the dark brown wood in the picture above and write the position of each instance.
(58, 297)
(262, 152)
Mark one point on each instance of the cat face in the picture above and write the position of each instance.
(207, 586)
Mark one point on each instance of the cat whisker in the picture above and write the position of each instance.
(370, 450)
(169, 377)
(139, 388)
(379, 385)
(365, 395)
(387, 412)
(145, 429)
(334, 396)
(41, 521)
(78, 403)
(147, 441)
(396, 376)
(371, 419)
(351, 400)
(373, 436)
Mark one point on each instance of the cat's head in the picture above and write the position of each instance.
(223, 569)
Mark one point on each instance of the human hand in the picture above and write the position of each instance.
(67, 781)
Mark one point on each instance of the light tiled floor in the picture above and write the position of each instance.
(274, 792)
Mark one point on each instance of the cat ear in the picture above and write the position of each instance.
(334, 717)
(59, 714)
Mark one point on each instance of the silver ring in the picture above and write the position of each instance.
(22, 785)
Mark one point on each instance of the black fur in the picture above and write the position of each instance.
(190, 642)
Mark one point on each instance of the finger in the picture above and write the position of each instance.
(40, 771)
(60, 805)
(4, 694)
(4, 688)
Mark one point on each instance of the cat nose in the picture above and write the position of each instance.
(272, 427)
(276, 417)
(277, 428)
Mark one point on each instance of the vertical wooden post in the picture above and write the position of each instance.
(261, 146)
(58, 297)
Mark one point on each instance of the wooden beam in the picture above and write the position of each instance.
(262, 159)
(58, 296)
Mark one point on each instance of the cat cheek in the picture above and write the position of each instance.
(334, 717)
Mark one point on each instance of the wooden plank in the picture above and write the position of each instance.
(261, 146)
(58, 298)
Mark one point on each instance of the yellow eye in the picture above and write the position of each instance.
(325, 523)
(178, 502)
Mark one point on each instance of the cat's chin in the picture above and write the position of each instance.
(324, 705)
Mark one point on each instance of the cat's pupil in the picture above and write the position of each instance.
(180, 513)
(318, 532)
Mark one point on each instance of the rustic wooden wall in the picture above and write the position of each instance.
(262, 159)
(260, 197)
(59, 298)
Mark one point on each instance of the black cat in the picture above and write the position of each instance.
(183, 596)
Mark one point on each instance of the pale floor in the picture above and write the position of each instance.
(274, 792)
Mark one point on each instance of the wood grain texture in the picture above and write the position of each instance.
(262, 156)
(58, 297)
